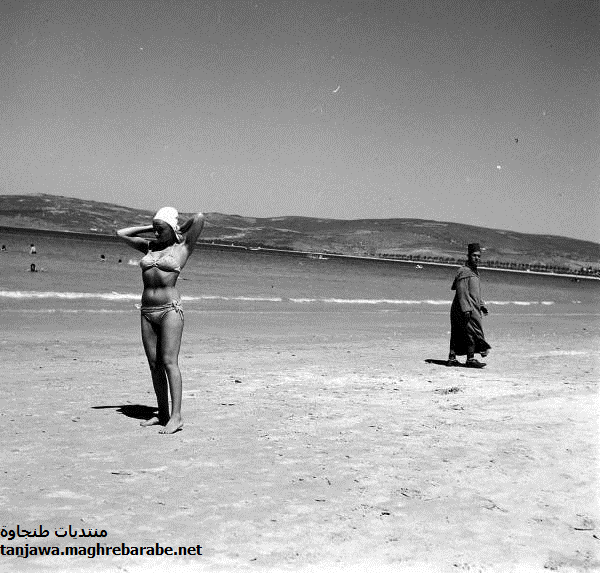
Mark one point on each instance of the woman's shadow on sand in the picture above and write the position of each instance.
(137, 411)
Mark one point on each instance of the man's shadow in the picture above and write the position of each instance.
(443, 363)
(137, 411)
(438, 362)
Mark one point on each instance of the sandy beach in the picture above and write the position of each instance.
(303, 182)
(311, 443)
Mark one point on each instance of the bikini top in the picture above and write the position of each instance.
(165, 262)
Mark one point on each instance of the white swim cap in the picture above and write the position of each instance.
(170, 216)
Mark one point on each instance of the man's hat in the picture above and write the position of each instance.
(473, 248)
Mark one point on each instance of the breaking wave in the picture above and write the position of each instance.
(116, 296)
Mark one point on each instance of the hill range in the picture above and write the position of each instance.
(418, 238)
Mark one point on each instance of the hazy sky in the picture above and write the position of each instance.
(484, 112)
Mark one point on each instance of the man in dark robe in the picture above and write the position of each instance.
(466, 314)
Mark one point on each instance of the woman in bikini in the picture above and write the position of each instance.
(162, 315)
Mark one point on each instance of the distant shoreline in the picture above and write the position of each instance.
(430, 263)
(318, 255)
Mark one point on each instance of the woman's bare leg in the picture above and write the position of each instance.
(170, 342)
(151, 341)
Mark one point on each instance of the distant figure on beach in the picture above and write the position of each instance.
(32, 249)
(102, 259)
(3, 248)
(466, 335)
(161, 311)
(32, 268)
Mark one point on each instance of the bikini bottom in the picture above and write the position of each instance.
(155, 314)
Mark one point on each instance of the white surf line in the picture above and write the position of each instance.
(67, 295)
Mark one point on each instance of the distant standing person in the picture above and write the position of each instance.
(32, 249)
(466, 335)
(3, 248)
(161, 312)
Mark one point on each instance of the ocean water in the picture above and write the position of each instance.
(72, 278)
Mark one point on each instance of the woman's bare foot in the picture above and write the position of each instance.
(154, 421)
(174, 425)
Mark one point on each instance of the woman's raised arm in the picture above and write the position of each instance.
(130, 236)
(192, 229)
